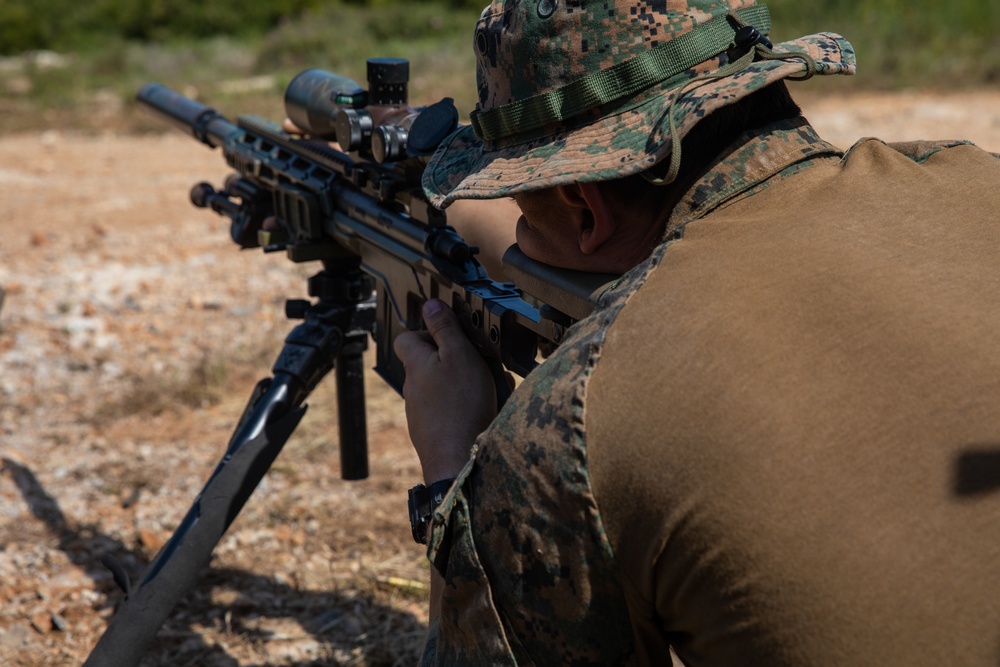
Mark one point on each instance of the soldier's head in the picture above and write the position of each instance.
(578, 92)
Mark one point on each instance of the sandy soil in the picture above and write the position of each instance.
(132, 333)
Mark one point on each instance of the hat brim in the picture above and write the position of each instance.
(618, 144)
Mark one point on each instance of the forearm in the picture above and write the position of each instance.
(450, 399)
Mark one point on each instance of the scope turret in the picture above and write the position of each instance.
(387, 81)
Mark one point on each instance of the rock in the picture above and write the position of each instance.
(59, 623)
(41, 621)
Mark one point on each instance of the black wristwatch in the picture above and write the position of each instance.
(423, 501)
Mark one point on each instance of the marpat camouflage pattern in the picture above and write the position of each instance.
(530, 48)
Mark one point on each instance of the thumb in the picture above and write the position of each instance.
(443, 325)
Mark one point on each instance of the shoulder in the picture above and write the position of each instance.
(921, 151)
(554, 394)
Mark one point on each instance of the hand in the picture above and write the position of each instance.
(449, 391)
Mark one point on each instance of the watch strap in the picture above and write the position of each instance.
(422, 502)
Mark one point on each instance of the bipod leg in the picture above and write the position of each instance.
(351, 412)
(273, 413)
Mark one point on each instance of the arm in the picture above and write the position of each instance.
(450, 399)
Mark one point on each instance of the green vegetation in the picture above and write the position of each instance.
(902, 43)
(60, 25)
(69, 24)
(92, 87)
(74, 64)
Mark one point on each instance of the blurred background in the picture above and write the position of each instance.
(71, 64)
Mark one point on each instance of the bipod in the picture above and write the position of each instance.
(333, 333)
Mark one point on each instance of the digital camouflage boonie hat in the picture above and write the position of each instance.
(589, 90)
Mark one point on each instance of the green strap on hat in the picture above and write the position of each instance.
(759, 51)
(625, 79)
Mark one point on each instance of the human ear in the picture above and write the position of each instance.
(601, 225)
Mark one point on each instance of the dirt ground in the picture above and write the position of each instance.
(132, 333)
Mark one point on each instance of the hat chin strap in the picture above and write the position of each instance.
(760, 51)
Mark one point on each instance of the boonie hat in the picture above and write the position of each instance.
(591, 90)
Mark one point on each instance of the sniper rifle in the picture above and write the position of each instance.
(361, 213)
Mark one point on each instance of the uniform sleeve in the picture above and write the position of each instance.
(469, 631)
(528, 569)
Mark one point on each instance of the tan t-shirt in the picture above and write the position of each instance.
(793, 432)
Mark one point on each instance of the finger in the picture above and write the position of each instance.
(290, 127)
(444, 326)
(413, 346)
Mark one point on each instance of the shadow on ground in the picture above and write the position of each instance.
(330, 619)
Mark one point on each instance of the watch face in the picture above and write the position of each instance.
(422, 502)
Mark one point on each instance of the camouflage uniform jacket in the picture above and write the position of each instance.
(531, 564)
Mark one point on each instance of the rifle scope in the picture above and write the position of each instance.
(316, 100)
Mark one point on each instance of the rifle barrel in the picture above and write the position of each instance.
(194, 118)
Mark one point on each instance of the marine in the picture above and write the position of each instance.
(765, 446)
